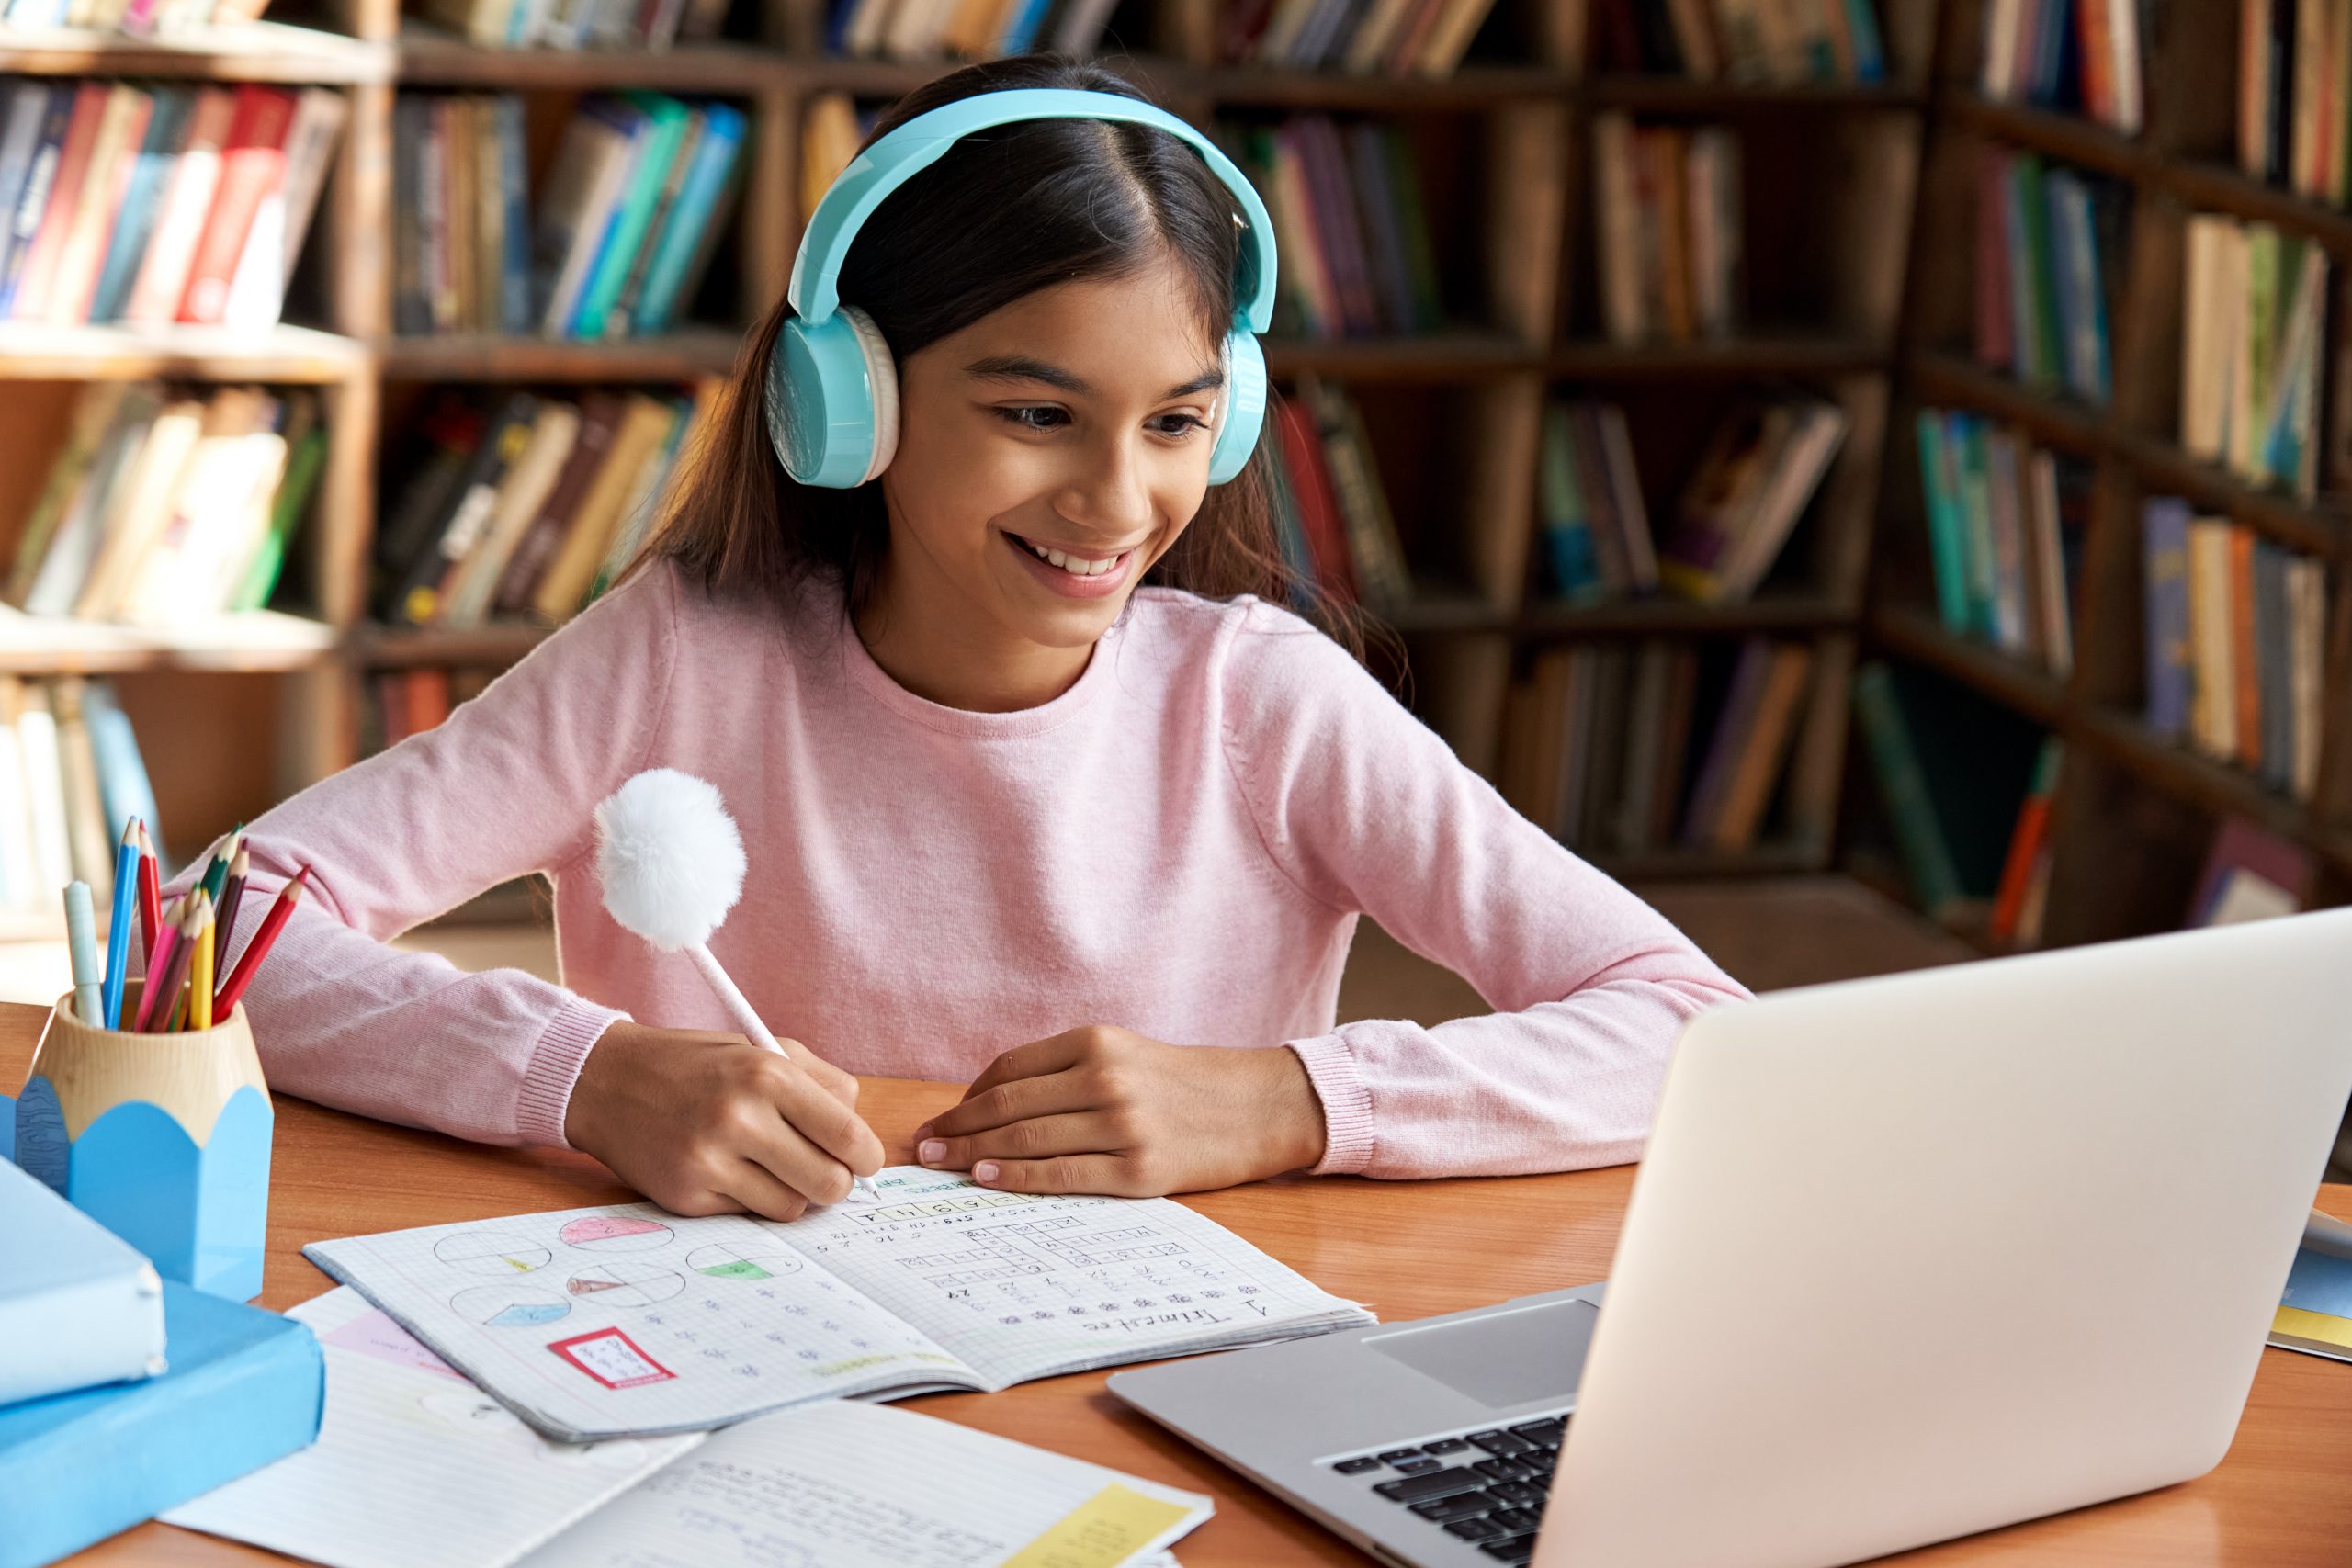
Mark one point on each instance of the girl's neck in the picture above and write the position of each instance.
(943, 657)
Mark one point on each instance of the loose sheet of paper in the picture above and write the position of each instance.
(850, 1485)
(413, 1464)
(629, 1321)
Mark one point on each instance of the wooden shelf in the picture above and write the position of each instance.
(1763, 859)
(251, 52)
(426, 57)
(1454, 356)
(30, 352)
(259, 641)
(1647, 93)
(1917, 635)
(492, 356)
(1674, 617)
(376, 646)
(1759, 355)
(2068, 137)
(2055, 419)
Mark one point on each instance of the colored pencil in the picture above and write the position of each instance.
(199, 975)
(258, 949)
(163, 979)
(231, 894)
(168, 1015)
(151, 890)
(126, 897)
(82, 947)
(216, 875)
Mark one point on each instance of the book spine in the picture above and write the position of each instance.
(1926, 857)
(1946, 538)
(252, 165)
(39, 184)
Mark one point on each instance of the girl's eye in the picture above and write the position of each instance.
(1181, 424)
(1049, 417)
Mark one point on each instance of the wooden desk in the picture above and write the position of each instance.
(2284, 1495)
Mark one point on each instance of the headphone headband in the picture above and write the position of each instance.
(913, 147)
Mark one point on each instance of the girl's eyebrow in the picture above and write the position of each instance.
(1022, 367)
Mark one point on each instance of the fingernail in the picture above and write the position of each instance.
(932, 1152)
(984, 1172)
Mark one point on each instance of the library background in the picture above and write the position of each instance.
(1900, 442)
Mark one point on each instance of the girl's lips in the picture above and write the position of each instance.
(1103, 583)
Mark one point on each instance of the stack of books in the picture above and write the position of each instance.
(2082, 56)
(2254, 309)
(831, 129)
(2295, 94)
(1595, 530)
(1759, 475)
(1388, 37)
(579, 23)
(397, 704)
(525, 505)
(2005, 525)
(70, 777)
(1331, 515)
(1670, 239)
(1741, 40)
(2250, 875)
(623, 229)
(152, 205)
(1348, 213)
(2050, 247)
(1599, 742)
(169, 506)
(2236, 635)
(137, 18)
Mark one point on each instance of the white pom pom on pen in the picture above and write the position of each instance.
(669, 858)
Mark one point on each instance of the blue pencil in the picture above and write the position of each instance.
(126, 903)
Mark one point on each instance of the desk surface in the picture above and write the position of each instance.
(1406, 1250)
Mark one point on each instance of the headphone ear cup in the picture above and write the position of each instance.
(1245, 405)
(832, 400)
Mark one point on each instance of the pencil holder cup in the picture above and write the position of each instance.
(164, 1139)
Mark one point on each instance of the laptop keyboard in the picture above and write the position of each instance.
(1486, 1486)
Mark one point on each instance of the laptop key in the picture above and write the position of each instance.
(1476, 1530)
(1500, 1442)
(1502, 1470)
(1461, 1506)
(1435, 1484)
(1548, 1431)
(1416, 1466)
(1358, 1465)
(1393, 1455)
(1519, 1519)
(1444, 1446)
(1518, 1494)
(1517, 1549)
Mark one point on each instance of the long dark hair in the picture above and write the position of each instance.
(1004, 213)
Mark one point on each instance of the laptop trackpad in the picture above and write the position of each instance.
(1500, 1358)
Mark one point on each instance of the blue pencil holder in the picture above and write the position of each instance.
(164, 1139)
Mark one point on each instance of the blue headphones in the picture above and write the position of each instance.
(832, 391)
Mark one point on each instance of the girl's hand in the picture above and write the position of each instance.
(706, 1123)
(1106, 1109)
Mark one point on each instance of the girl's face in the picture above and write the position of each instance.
(1076, 420)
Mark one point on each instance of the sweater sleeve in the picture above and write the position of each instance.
(1365, 809)
(506, 786)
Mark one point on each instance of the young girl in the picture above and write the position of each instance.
(1039, 788)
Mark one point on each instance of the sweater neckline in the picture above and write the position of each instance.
(1015, 724)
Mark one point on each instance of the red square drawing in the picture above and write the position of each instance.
(612, 1358)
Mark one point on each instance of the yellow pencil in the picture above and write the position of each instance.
(199, 973)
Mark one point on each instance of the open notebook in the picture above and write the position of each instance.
(413, 1465)
(627, 1321)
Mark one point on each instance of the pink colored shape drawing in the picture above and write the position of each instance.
(605, 1227)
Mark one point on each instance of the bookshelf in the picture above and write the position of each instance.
(2133, 809)
(1831, 171)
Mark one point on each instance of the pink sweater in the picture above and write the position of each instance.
(1179, 843)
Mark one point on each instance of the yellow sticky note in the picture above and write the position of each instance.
(2301, 1324)
(1108, 1527)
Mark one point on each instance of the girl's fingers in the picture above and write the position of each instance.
(757, 1189)
(1021, 1100)
(1034, 1060)
(774, 1140)
(1037, 1138)
(819, 1119)
(841, 1084)
(1105, 1174)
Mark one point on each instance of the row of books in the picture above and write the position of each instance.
(1602, 742)
(625, 223)
(2005, 527)
(169, 504)
(2295, 94)
(1331, 517)
(1347, 206)
(397, 704)
(139, 18)
(158, 204)
(1669, 199)
(2236, 635)
(70, 777)
(2253, 309)
(1759, 474)
(1741, 40)
(652, 25)
(523, 505)
(2050, 249)
(2077, 55)
(1390, 38)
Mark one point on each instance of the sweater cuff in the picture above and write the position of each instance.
(1347, 1103)
(555, 1066)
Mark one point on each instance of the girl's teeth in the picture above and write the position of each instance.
(1075, 566)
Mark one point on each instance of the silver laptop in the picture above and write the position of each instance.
(1908, 1257)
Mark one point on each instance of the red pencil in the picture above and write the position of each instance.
(158, 958)
(165, 998)
(225, 1000)
(151, 891)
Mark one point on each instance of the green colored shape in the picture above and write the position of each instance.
(738, 1269)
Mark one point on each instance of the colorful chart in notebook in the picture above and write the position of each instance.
(506, 1306)
(489, 1252)
(723, 1262)
(615, 1232)
(625, 1284)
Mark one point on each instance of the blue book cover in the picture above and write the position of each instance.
(244, 1387)
(514, 270)
(32, 201)
(2163, 524)
(1028, 18)
(143, 200)
(123, 781)
(28, 107)
(1869, 54)
(837, 17)
(683, 237)
(1947, 540)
